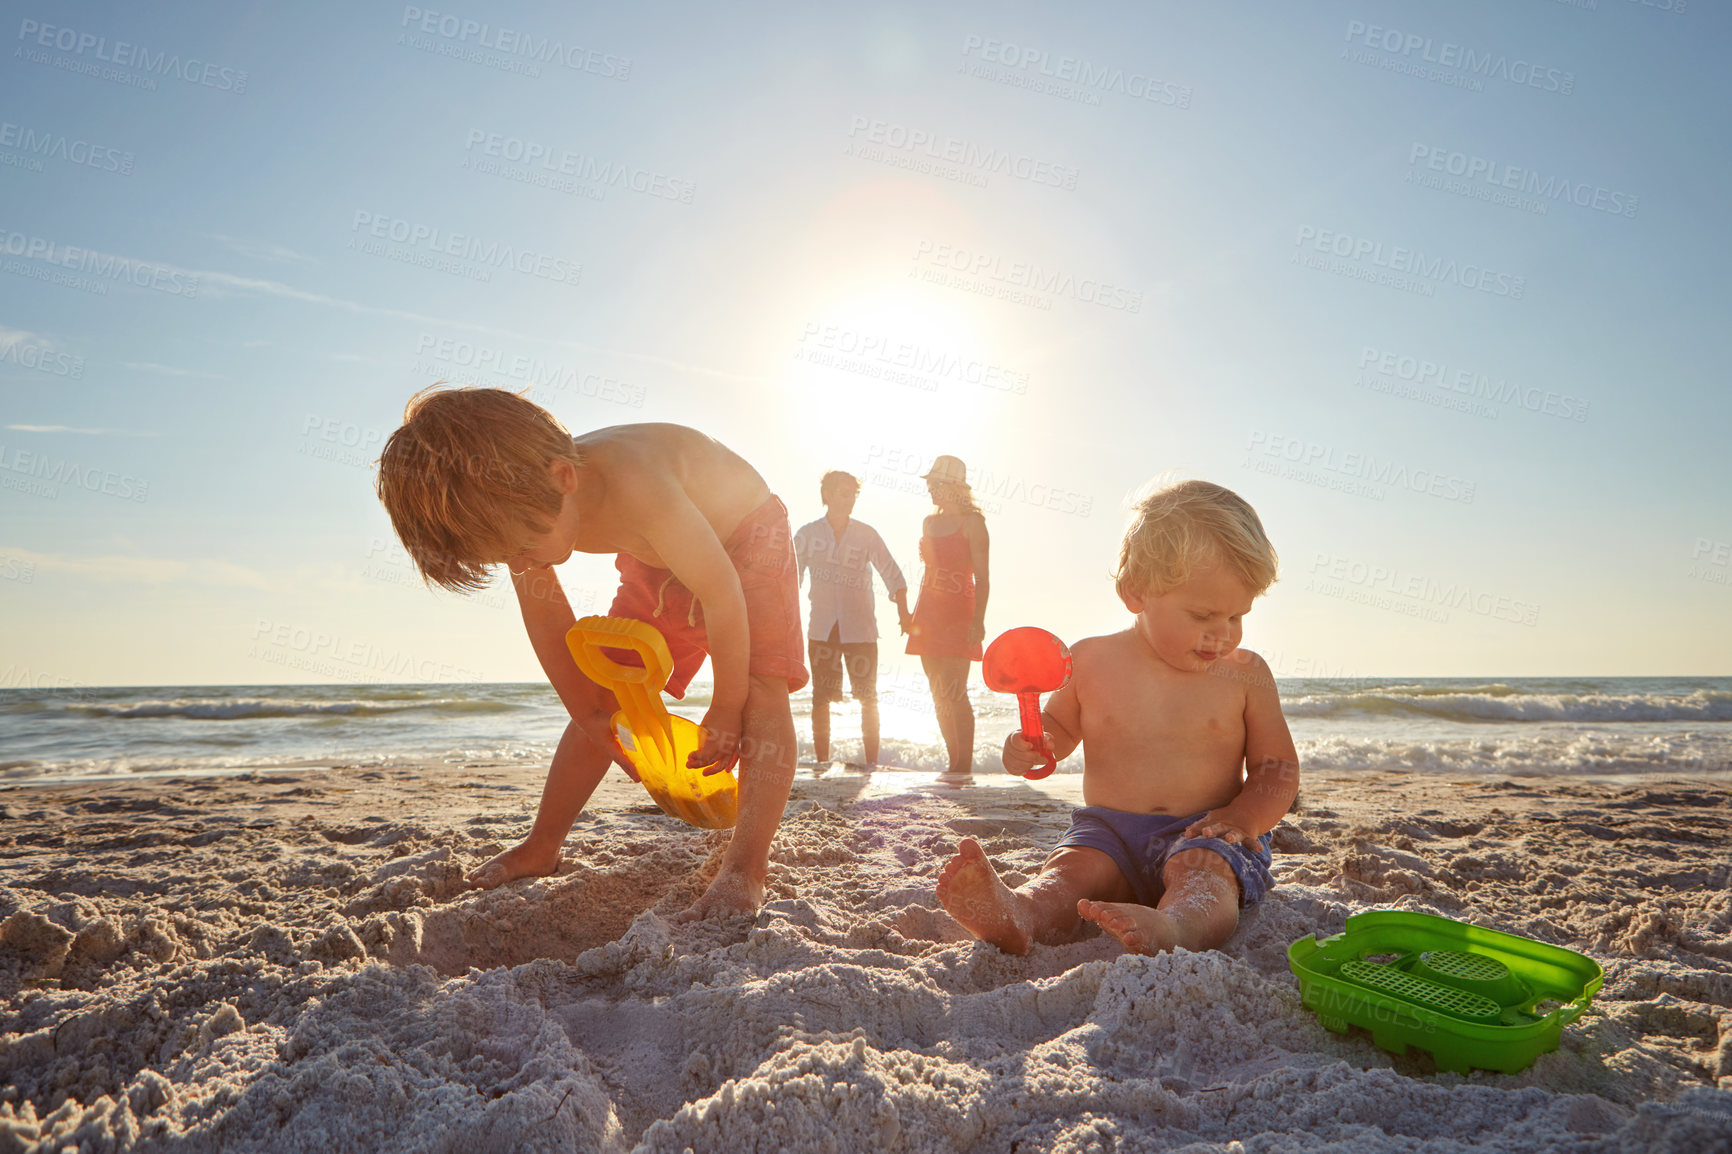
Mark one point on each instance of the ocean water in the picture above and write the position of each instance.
(1604, 726)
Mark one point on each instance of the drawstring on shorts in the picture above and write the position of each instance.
(661, 599)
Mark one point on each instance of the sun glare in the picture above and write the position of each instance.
(897, 361)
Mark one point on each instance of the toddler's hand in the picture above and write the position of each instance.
(1209, 825)
(1021, 755)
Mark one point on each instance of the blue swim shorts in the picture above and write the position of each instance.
(1141, 843)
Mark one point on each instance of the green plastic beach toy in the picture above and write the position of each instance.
(1468, 996)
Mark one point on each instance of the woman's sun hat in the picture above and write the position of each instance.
(947, 468)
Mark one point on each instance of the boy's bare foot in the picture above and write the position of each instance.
(1139, 929)
(729, 894)
(520, 861)
(972, 893)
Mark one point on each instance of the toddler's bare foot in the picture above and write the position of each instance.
(1139, 929)
(520, 861)
(729, 894)
(972, 893)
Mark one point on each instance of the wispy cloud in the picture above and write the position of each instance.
(154, 570)
(82, 432)
(212, 283)
(260, 249)
(277, 288)
(171, 371)
(11, 336)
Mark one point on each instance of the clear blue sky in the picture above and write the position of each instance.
(1440, 289)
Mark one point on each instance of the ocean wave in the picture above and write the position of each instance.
(232, 709)
(1488, 704)
(1682, 754)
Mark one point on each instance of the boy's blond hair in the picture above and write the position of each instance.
(468, 470)
(1190, 523)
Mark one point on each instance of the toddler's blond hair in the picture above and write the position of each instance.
(1180, 526)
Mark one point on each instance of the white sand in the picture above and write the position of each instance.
(291, 962)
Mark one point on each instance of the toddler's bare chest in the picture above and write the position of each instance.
(1202, 715)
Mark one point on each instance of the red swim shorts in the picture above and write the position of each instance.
(762, 549)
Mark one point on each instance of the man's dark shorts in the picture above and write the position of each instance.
(829, 656)
(1141, 843)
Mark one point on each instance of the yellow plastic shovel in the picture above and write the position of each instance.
(656, 741)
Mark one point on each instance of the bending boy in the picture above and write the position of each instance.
(1188, 761)
(478, 477)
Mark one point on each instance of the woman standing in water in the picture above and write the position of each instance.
(950, 616)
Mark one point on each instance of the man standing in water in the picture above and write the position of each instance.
(837, 550)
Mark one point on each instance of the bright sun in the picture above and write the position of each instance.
(900, 362)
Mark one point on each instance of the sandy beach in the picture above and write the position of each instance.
(291, 961)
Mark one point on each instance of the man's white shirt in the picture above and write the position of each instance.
(841, 580)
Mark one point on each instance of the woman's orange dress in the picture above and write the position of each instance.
(945, 609)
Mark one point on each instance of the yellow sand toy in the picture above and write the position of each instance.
(657, 742)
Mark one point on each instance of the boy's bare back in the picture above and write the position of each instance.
(631, 471)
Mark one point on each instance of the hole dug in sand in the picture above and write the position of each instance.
(421, 912)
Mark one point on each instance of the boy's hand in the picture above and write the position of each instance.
(1217, 825)
(721, 741)
(1020, 754)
